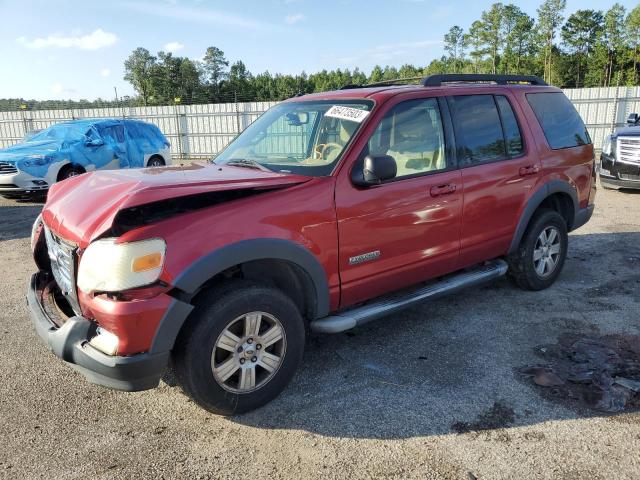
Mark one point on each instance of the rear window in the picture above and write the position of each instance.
(559, 120)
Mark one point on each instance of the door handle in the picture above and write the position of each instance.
(529, 170)
(445, 189)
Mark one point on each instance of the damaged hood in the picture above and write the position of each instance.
(29, 149)
(82, 208)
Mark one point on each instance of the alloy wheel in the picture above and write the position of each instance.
(248, 352)
(546, 252)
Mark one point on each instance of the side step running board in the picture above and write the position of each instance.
(390, 304)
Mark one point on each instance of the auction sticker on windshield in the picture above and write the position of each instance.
(347, 113)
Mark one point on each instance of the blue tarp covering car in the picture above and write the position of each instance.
(67, 149)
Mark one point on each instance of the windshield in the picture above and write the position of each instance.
(63, 132)
(298, 137)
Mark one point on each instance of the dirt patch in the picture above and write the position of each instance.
(625, 286)
(599, 372)
(499, 415)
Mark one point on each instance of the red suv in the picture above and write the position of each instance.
(330, 210)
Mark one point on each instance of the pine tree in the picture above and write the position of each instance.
(550, 17)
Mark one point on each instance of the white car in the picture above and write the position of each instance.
(71, 148)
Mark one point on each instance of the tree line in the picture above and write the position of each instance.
(589, 48)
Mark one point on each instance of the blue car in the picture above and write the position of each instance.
(71, 148)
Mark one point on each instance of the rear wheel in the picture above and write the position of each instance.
(240, 349)
(156, 161)
(542, 252)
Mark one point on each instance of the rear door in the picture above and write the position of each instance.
(405, 230)
(115, 146)
(499, 170)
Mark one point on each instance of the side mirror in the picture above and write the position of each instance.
(374, 170)
(633, 119)
(95, 142)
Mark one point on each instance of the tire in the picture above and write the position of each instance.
(220, 314)
(156, 161)
(530, 273)
(69, 171)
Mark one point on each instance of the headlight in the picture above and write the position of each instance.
(107, 266)
(35, 161)
(35, 231)
(608, 146)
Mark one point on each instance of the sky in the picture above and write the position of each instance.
(67, 49)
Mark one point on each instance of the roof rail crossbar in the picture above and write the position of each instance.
(438, 80)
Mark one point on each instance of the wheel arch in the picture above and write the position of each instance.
(67, 166)
(284, 263)
(558, 195)
(54, 170)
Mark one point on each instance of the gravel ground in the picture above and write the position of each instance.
(386, 400)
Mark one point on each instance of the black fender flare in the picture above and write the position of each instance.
(197, 274)
(549, 188)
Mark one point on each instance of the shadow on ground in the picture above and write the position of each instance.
(454, 365)
(450, 365)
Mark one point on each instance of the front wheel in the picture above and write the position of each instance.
(542, 252)
(70, 171)
(240, 349)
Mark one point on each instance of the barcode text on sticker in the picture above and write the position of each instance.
(347, 113)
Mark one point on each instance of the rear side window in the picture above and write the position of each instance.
(114, 133)
(138, 131)
(479, 134)
(512, 136)
(559, 120)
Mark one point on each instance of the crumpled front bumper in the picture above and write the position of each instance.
(70, 342)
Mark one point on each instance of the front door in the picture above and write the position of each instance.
(407, 229)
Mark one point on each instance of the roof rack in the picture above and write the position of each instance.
(438, 80)
(383, 83)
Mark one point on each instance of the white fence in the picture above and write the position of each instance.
(193, 130)
(203, 130)
(604, 109)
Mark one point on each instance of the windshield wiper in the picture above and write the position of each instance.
(247, 163)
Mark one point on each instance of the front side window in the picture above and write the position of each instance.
(299, 137)
(479, 134)
(561, 123)
(411, 133)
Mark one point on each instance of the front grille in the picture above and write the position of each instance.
(7, 168)
(62, 256)
(629, 150)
